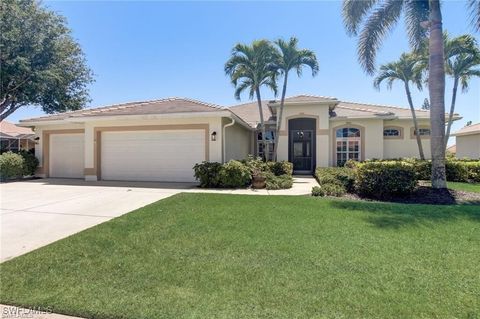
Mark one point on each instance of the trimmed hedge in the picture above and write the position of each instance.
(280, 168)
(343, 176)
(235, 174)
(11, 165)
(384, 179)
(284, 181)
(208, 174)
(30, 163)
(330, 189)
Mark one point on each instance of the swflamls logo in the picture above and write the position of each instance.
(16, 312)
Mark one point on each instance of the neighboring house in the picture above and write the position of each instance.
(468, 141)
(161, 140)
(452, 149)
(15, 138)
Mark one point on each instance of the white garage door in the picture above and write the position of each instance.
(66, 155)
(152, 155)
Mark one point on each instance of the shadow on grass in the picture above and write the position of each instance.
(389, 215)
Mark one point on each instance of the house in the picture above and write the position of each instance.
(161, 140)
(15, 138)
(452, 149)
(468, 142)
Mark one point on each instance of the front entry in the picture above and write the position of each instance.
(301, 140)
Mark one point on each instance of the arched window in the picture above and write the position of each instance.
(348, 143)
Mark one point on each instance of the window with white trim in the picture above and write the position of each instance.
(348, 144)
(422, 132)
(391, 132)
(269, 139)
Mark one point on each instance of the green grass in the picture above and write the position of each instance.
(231, 256)
(467, 187)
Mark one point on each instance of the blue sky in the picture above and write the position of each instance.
(150, 50)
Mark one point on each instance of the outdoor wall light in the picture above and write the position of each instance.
(37, 138)
(213, 136)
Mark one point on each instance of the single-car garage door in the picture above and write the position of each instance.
(167, 155)
(66, 155)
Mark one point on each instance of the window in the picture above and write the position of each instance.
(423, 132)
(270, 139)
(348, 144)
(393, 132)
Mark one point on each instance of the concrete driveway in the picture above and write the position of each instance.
(38, 212)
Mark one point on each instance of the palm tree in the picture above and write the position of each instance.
(461, 67)
(406, 70)
(373, 19)
(290, 57)
(250, 67)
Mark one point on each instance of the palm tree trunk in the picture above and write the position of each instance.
(436, 87)
(280, 117)
(452, 109)
(415, 122)
(262, 124)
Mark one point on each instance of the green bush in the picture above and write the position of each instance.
(279, 182)
(255, 164)
(343, 176)
(208, 173)
(473, 168)
(235, 174)
(333, 189)
(317, 191)
(280, 168)
(11, 165)
(456, 171)
(30, 163)
(384, 179)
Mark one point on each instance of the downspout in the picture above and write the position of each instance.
(224, 139)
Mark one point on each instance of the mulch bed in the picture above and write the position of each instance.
(427, 195)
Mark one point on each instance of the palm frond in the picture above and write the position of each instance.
(416, 12)
(354, 12)
(474, 6)
(378, 24)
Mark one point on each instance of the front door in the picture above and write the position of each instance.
(302, 150)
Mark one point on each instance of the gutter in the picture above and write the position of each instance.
(224, 140)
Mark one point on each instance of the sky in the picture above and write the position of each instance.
(154, 49)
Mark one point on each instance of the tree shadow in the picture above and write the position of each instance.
(395, 216)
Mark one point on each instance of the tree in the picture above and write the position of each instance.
(461, 67)
(372, 20)
(250, 67)
(290, 57)
(406, 70)
(41, 64)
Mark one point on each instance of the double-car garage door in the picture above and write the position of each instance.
(164, 155)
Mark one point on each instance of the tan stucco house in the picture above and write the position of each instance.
(161, 140)
(468, 142)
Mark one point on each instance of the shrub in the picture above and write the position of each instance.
(343, 176)
(279, 182)
(255, 164)
(11, 165)
(280, 168)
(456, 171)
(333, 189)
(317, 191)
(30, 163)
(385, 179)
(473, 169)
(235, 174)
(208, 173)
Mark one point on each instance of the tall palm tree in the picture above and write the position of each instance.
(250, 67)
(406, 70)
(372, 20)
(290, 57)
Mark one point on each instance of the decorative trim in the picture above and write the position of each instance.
(301, 116)
(46, 146)
(334, 140)
(323, 131)
(97, 156)
(89, 171)
(423, 137)
(399, 128)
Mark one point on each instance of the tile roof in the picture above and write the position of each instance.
(162, 106)
(452, 149)
(468, 130)
(10, 130)
(249, 112)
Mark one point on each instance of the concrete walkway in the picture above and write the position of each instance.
(17, 312)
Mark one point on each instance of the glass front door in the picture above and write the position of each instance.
(301, 149)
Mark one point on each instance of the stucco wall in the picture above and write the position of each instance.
(237, 142)
(407, 145)
(468, 146)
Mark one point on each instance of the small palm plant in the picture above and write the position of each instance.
(290, 57)
(407, 70)
(251, 67)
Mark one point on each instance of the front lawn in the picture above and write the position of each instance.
(466, 187)
(232, 256)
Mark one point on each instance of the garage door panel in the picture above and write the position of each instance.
(151, 155)
(67, 155)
